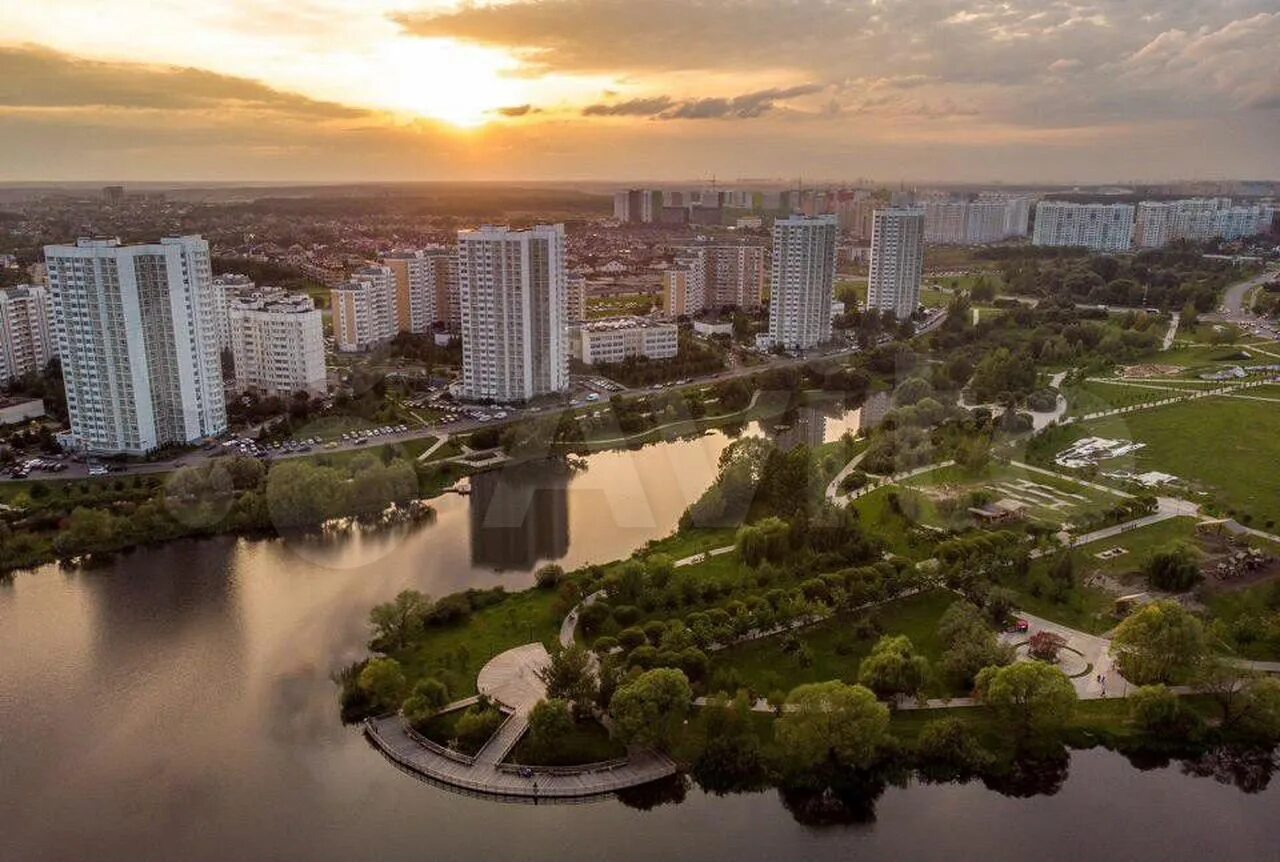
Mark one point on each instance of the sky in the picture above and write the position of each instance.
(1019, 91)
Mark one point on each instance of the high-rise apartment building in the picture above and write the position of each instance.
(1101, 227)
(277, 340)
(28, 338)
(426, 283)
(804, 268)
(986, 220)
(735, 275)
(139, 342)
(684, 284)
(897, 260)
(512, 287)
(364, 310)
(225, 288)
(575, 298)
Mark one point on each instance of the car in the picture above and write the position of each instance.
(1020, 625)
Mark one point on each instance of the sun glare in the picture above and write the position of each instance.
(445, 80)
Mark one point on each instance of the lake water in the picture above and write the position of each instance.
(177, 705)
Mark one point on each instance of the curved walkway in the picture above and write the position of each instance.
(511, 679)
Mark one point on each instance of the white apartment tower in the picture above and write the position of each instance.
(28, 338)
(1101, 227)
(277, 339)
(225, 288)
(512, 289)
(684, 285)
(804, 268)
(897, 260)
(138, 337)
(364, 310)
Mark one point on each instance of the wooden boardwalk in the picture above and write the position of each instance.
(487, 778)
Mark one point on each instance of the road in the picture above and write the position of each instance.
(1232, 310)
(463, 426)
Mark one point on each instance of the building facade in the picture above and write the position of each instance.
(277, 340)
(512, 287)
(1100, 227)
(28, 338)
(615, 339)
(575, 298)
(897, 261)
(138, 337)
(426, 287)
(225, 288)
(364, 310)
(804, 268)
(684, 285)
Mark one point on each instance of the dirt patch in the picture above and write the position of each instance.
(1132, 371)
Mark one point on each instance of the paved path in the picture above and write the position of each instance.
(1173, 330)
(833, 487)
(703, 556)
(690, 423)
(511, 679)
(426, 456)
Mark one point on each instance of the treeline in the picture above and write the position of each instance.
(227, 495)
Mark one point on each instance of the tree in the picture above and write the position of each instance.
(548, 576)
(948, 750)
(383, 682)
(649, 710)
(393, 622)
(476, 725)
(971, 643)
(829, 723)
(893, 668)
(1162, 642)
(427, 698)
(569, 677)
(1159, 713)
(1034, 699)
(731, 758)
(1045, 646)
(1174, 570)
(1250, 702)
(550, 723)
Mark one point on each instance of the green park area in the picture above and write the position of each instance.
(1224, 448)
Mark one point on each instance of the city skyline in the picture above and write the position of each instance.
(333, 90)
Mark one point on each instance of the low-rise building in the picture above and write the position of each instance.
(617, 338)
(277, 341)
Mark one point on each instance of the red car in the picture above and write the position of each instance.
(1021, 625)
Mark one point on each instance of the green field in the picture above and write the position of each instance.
(1228, 447)
(455, 653)
(1088, 397)
(835, 650)
(1048, 498)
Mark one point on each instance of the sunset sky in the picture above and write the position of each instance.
(1025, 90)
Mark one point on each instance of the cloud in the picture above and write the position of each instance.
(630, 108)
(516, 111)
(36, 77)
(744, 107)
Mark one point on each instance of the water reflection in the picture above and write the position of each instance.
(520, 515)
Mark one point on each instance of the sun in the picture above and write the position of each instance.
(450, 81)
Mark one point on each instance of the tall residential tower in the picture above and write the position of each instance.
(897, 260)
(513, 293)
(138, 336)
(804, 269)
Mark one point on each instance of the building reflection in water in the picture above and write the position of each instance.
(520, 515)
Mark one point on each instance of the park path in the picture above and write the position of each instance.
(511, 680)
(440, 441)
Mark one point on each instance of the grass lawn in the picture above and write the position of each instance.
(1226, 446)
(836, 651)
(1048, 498)
(588, 743)
(1085, 398)
(1260, 603)
(455, 653)
(901, 535)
